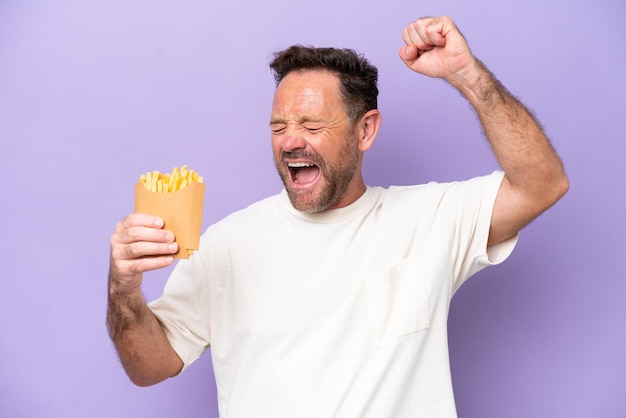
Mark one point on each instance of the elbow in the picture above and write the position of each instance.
(144, 380)
(143, 383)
(561, 187)
(554, 190)
(547, 193)
(149, 376)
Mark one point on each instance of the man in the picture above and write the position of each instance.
(331, 298)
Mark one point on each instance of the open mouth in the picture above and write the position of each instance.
(303, 173)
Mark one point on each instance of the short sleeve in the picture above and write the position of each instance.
(184, 311)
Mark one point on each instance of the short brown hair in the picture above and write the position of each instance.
(357, 77)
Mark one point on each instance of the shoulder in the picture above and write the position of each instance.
(439, 198)
(436, 190)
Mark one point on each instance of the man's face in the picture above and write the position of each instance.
(313, 141)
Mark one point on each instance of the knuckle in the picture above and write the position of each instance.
(135, 268)
(115, 251)
(130, 221)
(132, 233)
(119, 228)
(124, 223)
(132, 251)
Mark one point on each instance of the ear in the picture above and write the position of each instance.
(368, 129)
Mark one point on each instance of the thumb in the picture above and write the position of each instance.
(408, 54)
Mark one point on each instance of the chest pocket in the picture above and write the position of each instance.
(397, 301)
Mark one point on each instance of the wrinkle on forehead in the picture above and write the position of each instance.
(310, 95)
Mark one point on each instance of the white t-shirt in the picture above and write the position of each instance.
(337, 314)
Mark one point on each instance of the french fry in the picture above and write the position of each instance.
(178, 179)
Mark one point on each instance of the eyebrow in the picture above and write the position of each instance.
(303, 119)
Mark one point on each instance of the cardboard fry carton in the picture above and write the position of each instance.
(180, 210)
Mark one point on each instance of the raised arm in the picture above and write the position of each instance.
(534, 175)
(139, 244)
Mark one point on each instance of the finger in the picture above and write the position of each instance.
(135, 268)
(142, 249)
(409, 53)
(141, 219)
(152, 263)
(426, 33)
(434, 31)
(142, 233)
(139, 227)
(414, 35)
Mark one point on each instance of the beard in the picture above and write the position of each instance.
(335, 177)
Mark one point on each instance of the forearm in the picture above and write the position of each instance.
(525, 154)
(534, 177)
(141, 343)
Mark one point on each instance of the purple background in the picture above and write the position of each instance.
(92, 94)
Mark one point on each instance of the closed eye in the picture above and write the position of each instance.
(312, 128)
(277, 128)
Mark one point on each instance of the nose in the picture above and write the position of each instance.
(292, 140)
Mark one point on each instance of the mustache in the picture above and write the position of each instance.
(302, 154)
